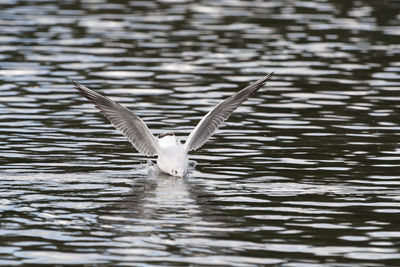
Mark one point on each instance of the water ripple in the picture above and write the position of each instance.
(305, 173)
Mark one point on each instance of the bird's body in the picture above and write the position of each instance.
(173, 158)
(172, 154)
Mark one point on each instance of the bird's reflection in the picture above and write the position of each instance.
(162, 204)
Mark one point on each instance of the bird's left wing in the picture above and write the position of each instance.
(213, 119)
(124, 120)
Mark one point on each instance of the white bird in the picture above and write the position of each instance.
(172, 154)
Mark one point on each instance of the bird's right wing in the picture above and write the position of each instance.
(124, 120)
(213, 119)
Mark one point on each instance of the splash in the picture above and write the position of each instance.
(149, 168)
(191, 165)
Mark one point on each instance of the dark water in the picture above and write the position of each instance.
(306, 173)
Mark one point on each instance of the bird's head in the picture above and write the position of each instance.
(178, 171)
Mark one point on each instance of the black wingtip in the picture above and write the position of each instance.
(268, 77)
(77, 85)
(261, 82)
(81, 88)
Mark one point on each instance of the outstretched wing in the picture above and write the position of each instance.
(124, 120)
(211, 122)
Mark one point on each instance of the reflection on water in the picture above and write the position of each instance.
(306, 172)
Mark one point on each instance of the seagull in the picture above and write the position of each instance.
(172, 154)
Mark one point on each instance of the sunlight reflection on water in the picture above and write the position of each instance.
(304, 173)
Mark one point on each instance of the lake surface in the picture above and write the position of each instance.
(306, 173)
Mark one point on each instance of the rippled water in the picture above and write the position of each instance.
(307, 172)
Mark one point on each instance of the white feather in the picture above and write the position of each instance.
(212, 121)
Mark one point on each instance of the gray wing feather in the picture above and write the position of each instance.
(211, 122)
(124, 120)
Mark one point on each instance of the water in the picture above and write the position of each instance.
(305, 173)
